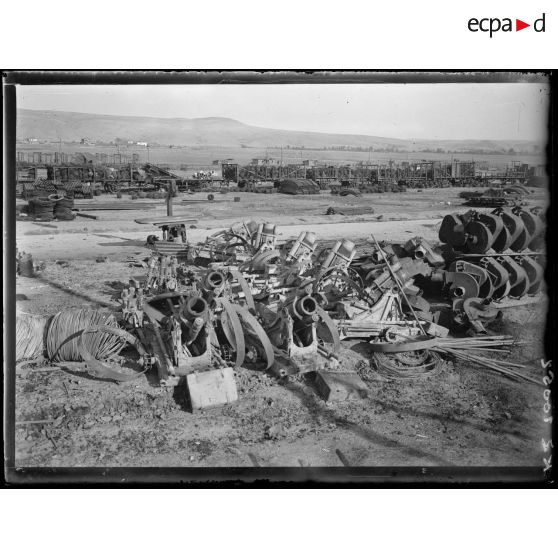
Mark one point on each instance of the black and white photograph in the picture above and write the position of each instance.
(254, 273)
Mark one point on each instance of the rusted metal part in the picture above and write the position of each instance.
(420, 249)
(479, 273)
(235, 337)
(479, 312)
(332, 328)
(257, 332)
(165, 368)
(397, 281)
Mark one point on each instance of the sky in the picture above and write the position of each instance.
(498, 111)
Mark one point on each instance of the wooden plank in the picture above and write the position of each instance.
(86, 215)
(177, 219)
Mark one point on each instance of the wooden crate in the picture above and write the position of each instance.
(212, 388)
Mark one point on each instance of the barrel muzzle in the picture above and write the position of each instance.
(195, 307)
(305, 307)
(214, 280)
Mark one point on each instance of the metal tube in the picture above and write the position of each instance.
(194, 331)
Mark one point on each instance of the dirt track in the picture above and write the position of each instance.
(88, 245)
(464, 416)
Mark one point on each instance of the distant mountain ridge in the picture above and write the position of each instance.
(220, 131)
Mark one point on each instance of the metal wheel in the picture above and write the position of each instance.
(480, 238)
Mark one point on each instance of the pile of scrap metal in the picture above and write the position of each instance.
(241, 298)
(345, 188)
(71, 189)
(354, 188)
(239, 243)
(495, 197)
(490, 261)
(256, 306)
(303, 299)
(507, 246)
(289, 306)
(377, 299)
(258, 187)
(356, 210)
(295, 186)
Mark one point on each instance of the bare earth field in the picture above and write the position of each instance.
(464, 416)
(204, 155)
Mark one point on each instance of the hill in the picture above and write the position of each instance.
(73, 126)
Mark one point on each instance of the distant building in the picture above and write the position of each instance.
(267, 161)
(142, 143)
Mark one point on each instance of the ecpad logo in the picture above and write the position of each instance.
(494, 24)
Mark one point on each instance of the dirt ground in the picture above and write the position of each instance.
(466, 415)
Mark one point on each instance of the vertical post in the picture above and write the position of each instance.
(169, 200)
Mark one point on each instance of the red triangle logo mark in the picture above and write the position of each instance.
(519, 25)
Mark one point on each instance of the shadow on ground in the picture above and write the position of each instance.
(78, 294)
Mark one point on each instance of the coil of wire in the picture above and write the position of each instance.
(408, 365)
(30, 336)
(41, 208)
(63, 209)
(66, 327)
